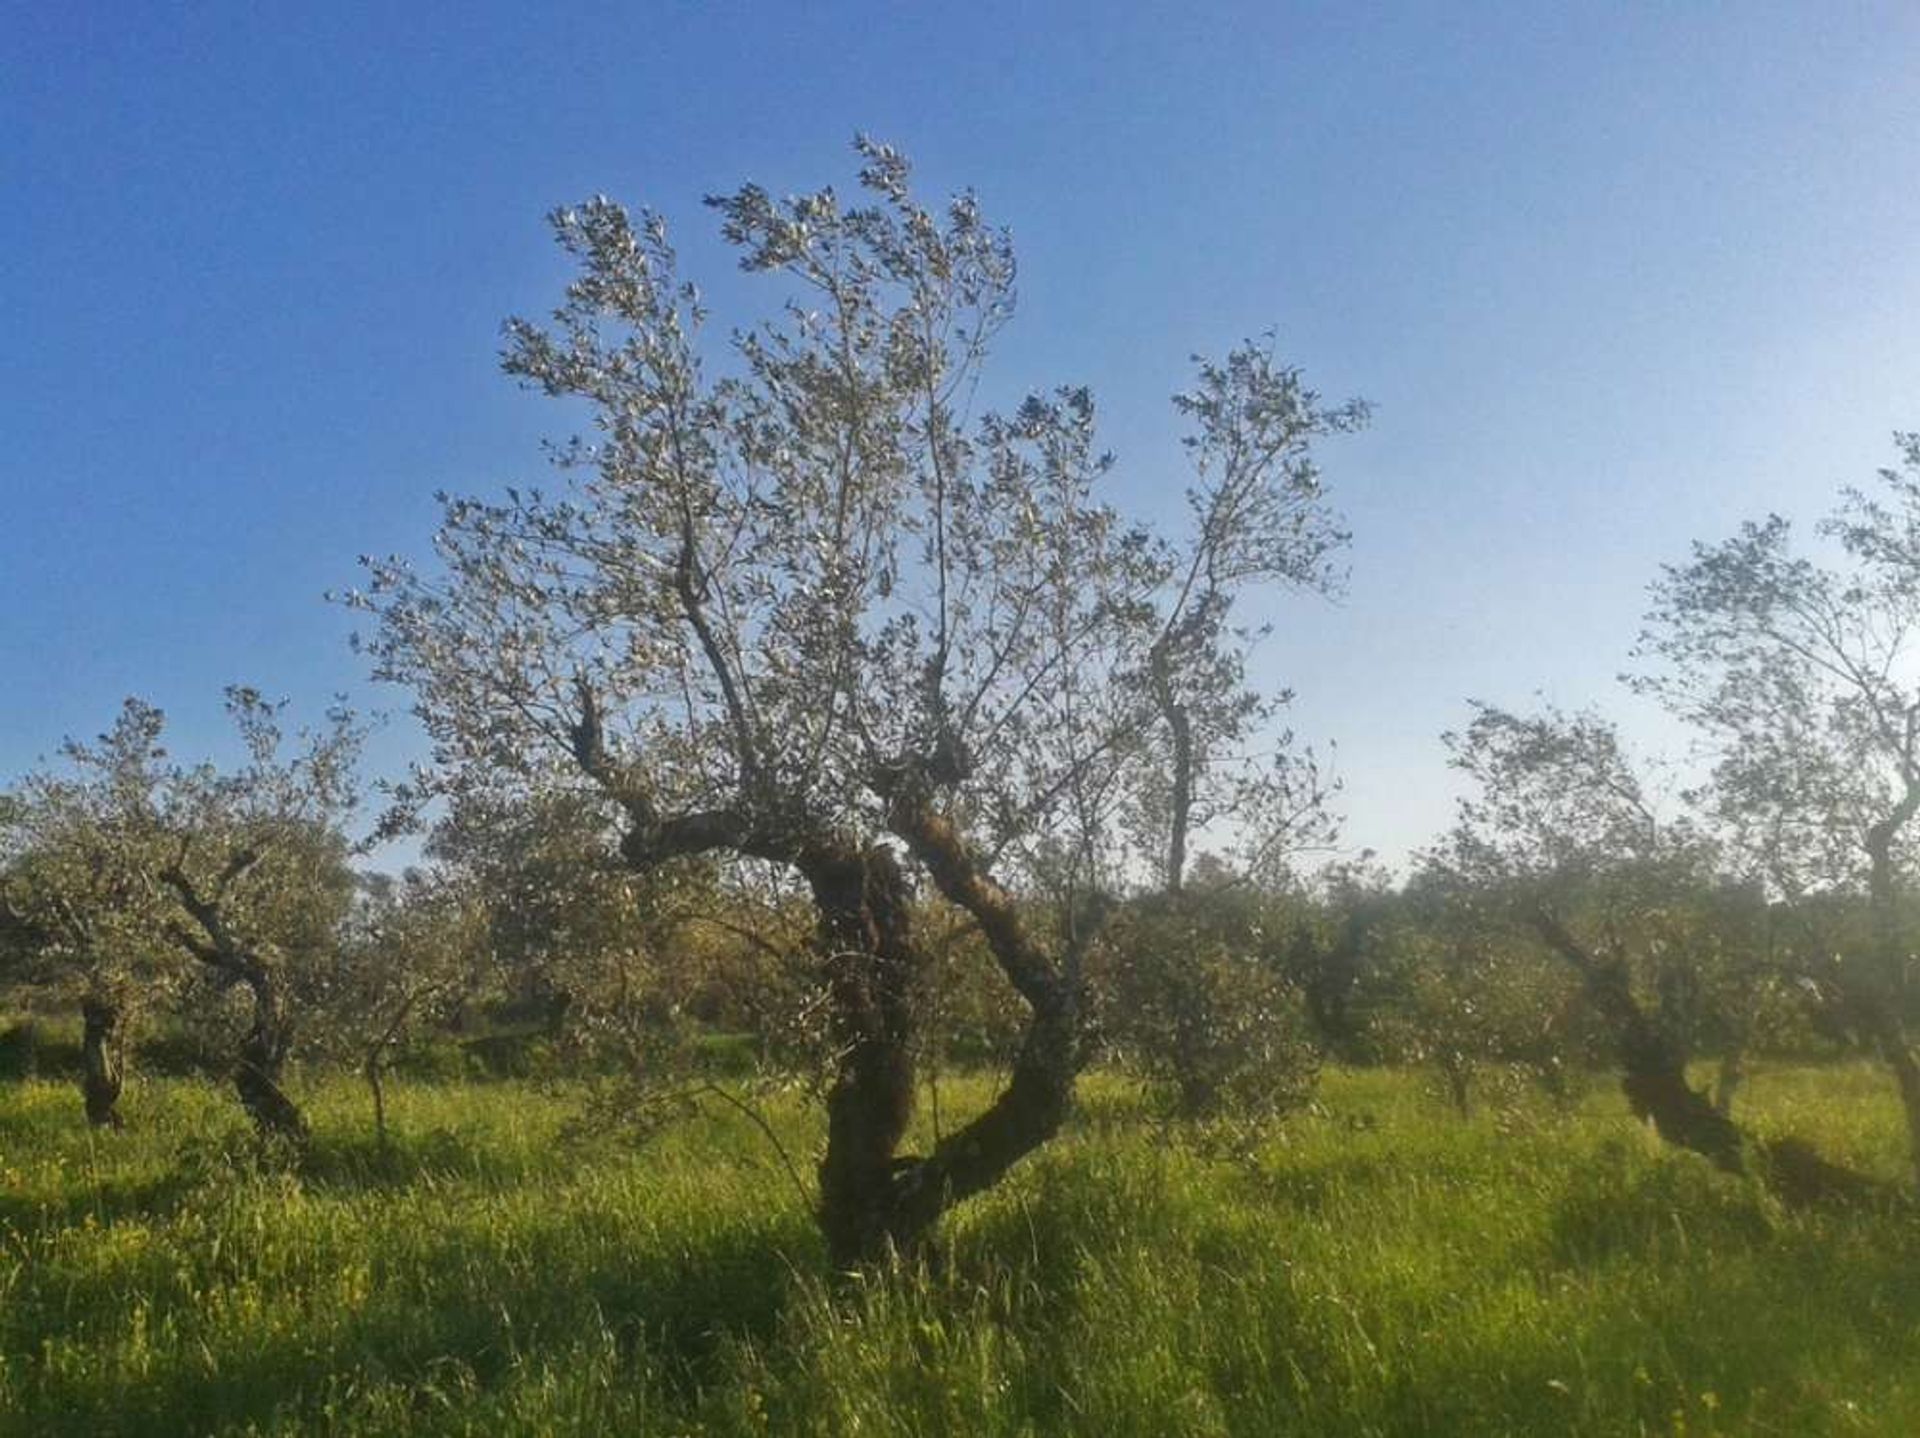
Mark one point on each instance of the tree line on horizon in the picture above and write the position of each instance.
(816, 712)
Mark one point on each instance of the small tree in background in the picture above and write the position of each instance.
(80, 915)
(562, 914)
(1562, 834)
(1259, 522)
(255, 862)
(1196, 996)
(1474, 997)
(414, 952)
(1338, 931)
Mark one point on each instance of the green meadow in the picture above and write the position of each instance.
(1373, 1266)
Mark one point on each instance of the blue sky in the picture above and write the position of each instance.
(1614, 277)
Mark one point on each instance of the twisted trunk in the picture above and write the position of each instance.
(875, 1200)
(1653, 1066)
(102, 1050)
(1039, 1092)
(1654, 1079)
(262, 1059)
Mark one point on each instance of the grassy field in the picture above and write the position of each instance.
(1373, 1267)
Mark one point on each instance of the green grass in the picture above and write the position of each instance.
(1374, 1267)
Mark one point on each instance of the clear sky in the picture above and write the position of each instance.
(1615, 278)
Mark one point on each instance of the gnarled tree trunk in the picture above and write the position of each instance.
(1653, 1066)
(1039, 1092)
(262, 1060)
(1654, 1079)
(102, 1050)
(873, 964)
(875, 1201)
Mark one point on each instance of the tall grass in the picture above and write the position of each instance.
(1373, 1267)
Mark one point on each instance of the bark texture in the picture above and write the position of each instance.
(102, 1052)
(261, 1065)
(874, 1200)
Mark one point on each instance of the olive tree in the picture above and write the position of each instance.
(413, 950)
(132, 869)
(78, 907)
(1561, 836)
(1258, 522)
(1475, 998)
(255, 861)
(797, 610)
(562, 914)
(1197, 995)
(1800, 672)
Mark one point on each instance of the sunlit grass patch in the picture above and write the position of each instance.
(1371, 1266)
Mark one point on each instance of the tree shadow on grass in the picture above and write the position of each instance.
(1716, 1304)
(1617, 1207)
(112, 1200)
(661, 1316)
(347, 1163)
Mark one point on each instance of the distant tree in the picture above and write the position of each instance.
(255, 861)
(1259, 522)
(1802, 675)
(414, 951)
(1473, 997)
(79, 913)
(127, 869)
(1563, 838)
(1336, 930)
(796, 612)
(620, 967)
(562, 912)
(1197, 996)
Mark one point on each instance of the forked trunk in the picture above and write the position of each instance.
(1029, 1111)
(1039, 1093)
(102, 1070)
(875, 1201)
